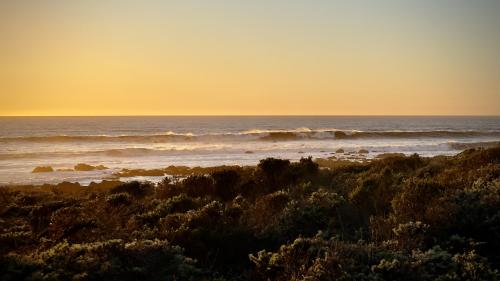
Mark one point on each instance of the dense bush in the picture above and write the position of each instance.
(397, 218)
(116, 199)
(198, 186)
(104, 260)
(226, 184)
(133, 188)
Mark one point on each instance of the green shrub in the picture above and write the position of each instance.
(397, 218)
(275, 173)
(117, 199)
(226, 184)
(107, 260)
(198, 186)
(134, 188)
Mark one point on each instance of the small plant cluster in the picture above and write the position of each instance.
(397, 218)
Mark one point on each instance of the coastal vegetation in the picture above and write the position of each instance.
(394, 218)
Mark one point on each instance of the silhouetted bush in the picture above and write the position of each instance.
(133, 188)
(177, 204)
(106, 260)
(119, 199)
(374, 193)
(226, 184)
(198, 186)
(305, 170)
(166, 189)
(275, 173)
(396, 218)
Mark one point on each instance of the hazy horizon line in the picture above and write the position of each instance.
(262, 115)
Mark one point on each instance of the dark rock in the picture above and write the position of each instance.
(42, 169)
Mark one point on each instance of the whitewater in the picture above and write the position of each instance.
(156, 142)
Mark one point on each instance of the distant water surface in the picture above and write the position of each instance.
(155, 142)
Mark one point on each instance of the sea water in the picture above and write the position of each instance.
(161, 141)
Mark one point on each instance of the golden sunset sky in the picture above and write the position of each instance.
(103, 57)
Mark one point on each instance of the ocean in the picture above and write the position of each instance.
(161, 141)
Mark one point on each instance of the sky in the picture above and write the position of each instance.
(260, 57)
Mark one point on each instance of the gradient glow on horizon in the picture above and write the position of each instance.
(426, 57)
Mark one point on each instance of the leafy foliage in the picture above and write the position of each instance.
(397, 218)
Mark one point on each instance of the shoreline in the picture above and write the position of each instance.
(156, 175)
(240, 222)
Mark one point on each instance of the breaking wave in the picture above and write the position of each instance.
(132, 152)
(118, 152)
(256, 135)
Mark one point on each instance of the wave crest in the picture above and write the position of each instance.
(256, 135)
